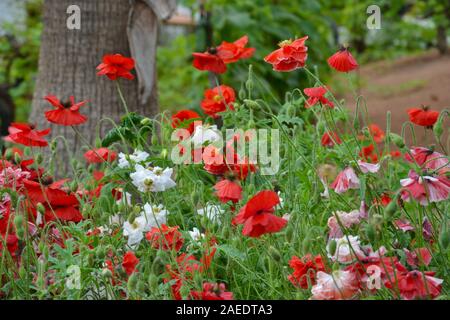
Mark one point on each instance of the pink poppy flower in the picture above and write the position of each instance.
(346, 219)
(366, 167)
(425, 189)
(339, 285)
(345, 180)
(429, 159)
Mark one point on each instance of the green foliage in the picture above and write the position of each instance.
(19, 54)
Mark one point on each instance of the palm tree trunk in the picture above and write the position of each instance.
(67, 66)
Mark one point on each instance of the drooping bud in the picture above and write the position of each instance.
(274, 253)
(390, 209)
(397, 140)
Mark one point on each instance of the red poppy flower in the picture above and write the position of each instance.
(182, 117)
(234, 51)
(212, 291)
(305, 270)
(368, 153)
(241, 169)
(396, 154)
(414, 285)
(327, 140)
(65, 114)
(227, 190)
(420, 256)
(214, 161)
(215, 59)
(376, 132)
(116, 66)
(218, 99)
(316, 95)
(100, 155)
(166, 238)
(291, 55)
(130, 262)
(343, 61)
(423, 117)
(12, 244)
(27, 135)
(209, 61)
(257, 215)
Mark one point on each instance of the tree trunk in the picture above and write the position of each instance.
(68, 60)
(442, 40)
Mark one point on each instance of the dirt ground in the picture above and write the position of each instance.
(402, 84)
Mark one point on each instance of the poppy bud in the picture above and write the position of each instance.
(98, 142)
(332, 247)
(18, 222)
(17, 158)
(291, 111)
(20, 233)
(225, 232)
(106, 273)
(390, 209)
(39, 158)
(371, 233)
(444, 237)
(158, 265)
(90, 260)
(249, 82)
(242, 93)
(437, 128)
(306, 244)
(155, 140)
(164, 153)
(194, 197)
(377, 221)
(274, 253)
(153, 282)
(73, 186)
(289, 233)
(53, 145)
(27, 152)
(140, 286)
(132, 217)
(146, 122)
(251, 104)
(132, 282)
(9, 154)
(397, 140)
(185, 292)
(100, 252)
(356, 123)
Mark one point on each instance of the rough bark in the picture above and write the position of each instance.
(442, 40)
(68, 60)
